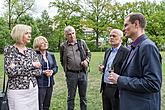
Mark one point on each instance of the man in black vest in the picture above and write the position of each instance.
(75, 57)
(113, 60)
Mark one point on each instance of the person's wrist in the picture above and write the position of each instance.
(87, 60)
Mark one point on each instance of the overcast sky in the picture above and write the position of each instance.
(43, 5)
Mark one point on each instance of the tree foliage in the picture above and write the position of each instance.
(15, 9)
(99, 15)
(96, 16)
(69, 13)
(4, 34)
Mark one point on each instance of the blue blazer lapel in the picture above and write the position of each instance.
(124, 65)
(130, 57)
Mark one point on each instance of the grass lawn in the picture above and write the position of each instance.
(59, 97)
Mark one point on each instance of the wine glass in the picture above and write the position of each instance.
(111, 71)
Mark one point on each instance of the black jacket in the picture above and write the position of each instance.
(117, 63)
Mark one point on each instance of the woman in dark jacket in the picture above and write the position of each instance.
(49, 69)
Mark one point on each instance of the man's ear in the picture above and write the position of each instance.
(137, 23)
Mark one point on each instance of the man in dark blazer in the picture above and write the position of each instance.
(113, 60)
(140, 78)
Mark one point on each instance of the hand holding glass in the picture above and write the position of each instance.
(110, 74)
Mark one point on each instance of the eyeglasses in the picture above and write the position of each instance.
(69, 34)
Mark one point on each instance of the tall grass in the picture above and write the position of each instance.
(59, 98)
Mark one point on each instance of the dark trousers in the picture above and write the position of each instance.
(110, 99)
(45, 94)
(75, 80)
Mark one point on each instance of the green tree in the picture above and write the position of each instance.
(95, 16)
(29, 20)
(46, 28)
(4, 34)
(45, 25)
(152, 11)
(17, 8)
(68, 13)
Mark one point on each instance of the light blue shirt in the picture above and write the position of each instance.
(109, 64)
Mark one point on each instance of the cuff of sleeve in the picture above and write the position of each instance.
(118, 81)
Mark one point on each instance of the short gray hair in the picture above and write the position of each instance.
(68, 29)
(118, 31)
(18, 31)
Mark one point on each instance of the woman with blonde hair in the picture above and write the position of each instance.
(22, 67)
(49, 69)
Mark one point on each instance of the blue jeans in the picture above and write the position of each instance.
(75, 80)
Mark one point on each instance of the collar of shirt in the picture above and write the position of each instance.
(38, 52)
(138, 40)
(72, 43)
(115, 49)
